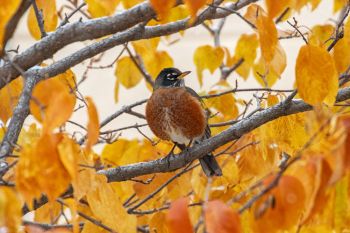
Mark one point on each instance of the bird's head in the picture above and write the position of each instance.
(170, 77)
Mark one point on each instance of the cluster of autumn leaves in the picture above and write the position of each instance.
(311, 195)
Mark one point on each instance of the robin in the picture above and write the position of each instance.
(176, 113)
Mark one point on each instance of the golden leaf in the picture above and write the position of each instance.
(316, 75)
(162, 8)
(321, 34)
(48, 8)
(48, 212)
(9, 98)
(178, 219)
(219, 218)
(7, 9)
(146, 47)
(127, 72)
(276, 8)
(267, 36)
(246, 49)
(101, 198)
(207, 57)
(10, 210)
(68, 151)
(194, 5)
(99, 8)
(341, 55)
(253, 11)
(157, 61)
(93, 127)
(156, 223)
(339, 4)
(130, 3)
(40, 169)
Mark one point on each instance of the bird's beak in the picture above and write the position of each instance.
(183, 74)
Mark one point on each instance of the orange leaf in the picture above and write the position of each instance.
(219, 218)
(280, 208)
(40, 169)
(253, 11)
(162, 7)
(178, 219)
(276, 8)
(53, 101)
(10, 210)
(267, 36)
(8, 8)
(9, 97)
(316, 75)
(194, 5)
(48, 8)
(93, 126)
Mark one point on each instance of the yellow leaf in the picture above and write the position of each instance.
(48, 212)
(220, 218)
(341, 55)
(194, 5)
(48, 8)
(267, 36)
(316, 75)
(93, 127)
(178, 219)
(177, 13)
(116, 91)
(156, 223)
(276, 8)
(40, 169)
(321, 34)
(69, 151)
(157, 61)
(314, 4)
(162, 8)
(279, 61)
(117, 152)
(10, 210)
(339, 4)
(9, 97)
(265, 76)
(225, 104)
(130, 3)
(146, 47)
(7, 9)
(300, 4)
(99, 8)
(246, 49)
(207, 57)
(127, 72)
(107, 207)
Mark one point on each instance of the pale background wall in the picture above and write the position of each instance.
(100, 83)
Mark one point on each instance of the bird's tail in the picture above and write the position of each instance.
(210, 166)
(208, 162)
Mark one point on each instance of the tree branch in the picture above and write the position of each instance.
(236, 131)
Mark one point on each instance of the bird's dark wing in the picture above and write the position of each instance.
(208, 162)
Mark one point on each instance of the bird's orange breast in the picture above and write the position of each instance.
(174, 114)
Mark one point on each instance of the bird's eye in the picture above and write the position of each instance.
(171, 76)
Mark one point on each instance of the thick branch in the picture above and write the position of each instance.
(100, 27)
(79, 31)
(234, 132)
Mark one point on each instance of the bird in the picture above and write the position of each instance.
(176, 113)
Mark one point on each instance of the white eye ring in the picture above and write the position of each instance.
(170, 76)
